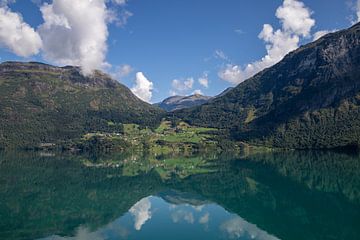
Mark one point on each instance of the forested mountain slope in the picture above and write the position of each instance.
(311, 99)
(40, 103)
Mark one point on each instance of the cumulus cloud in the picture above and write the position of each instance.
(143, 87)
(141, 212)
(295, 17)
(204, 80)
(16, 35)
(182, 85)
(237, 228)
(75, 33)
(296, 22)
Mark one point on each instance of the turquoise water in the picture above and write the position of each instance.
(292, 195)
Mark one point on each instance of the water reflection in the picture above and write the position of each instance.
(238, 228)
(207, 222)
(141, 212)
(292, 195)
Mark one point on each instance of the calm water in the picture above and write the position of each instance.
(294, 195)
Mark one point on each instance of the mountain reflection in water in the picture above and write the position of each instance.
(287, 195)
(152, 215)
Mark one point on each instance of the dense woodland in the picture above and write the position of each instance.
(44, 104)
(310, 99)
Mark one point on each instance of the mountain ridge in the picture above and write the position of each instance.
(180, 102)
(43, 103)
(284, 105)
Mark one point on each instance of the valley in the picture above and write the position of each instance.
(158, 120)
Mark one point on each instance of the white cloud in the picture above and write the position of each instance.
(233, 74)
(75, 33)
(141, 212)
(296, 22)
(4, 3)
(119, 2)
(36, 2)
(237, 228)
(239, 31)
(322, 33)
(143, 87)
(354, 5)
(16, 35)
(182, 85)
(119, 17)
(173, 93)
(198, 92)
(122, 71)
(124, 17)
(295, 17)
(219, 54)
(204, 80)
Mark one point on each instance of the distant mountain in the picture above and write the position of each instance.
(311, 99)
(40, 103)
(181, 102)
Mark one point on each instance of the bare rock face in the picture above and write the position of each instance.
(308, 100)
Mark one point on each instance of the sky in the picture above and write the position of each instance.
(161, 48)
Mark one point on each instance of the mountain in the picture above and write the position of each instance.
(224, 92)
(311, 99)
(40, 103)
(180, 102)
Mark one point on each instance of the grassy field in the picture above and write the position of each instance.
(183, 133)
(165, 139)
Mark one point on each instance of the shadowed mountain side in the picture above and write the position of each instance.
(311, 99)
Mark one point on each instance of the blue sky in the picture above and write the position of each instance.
(173, 43)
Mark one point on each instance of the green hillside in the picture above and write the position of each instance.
(311, 99)
(43, 104)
